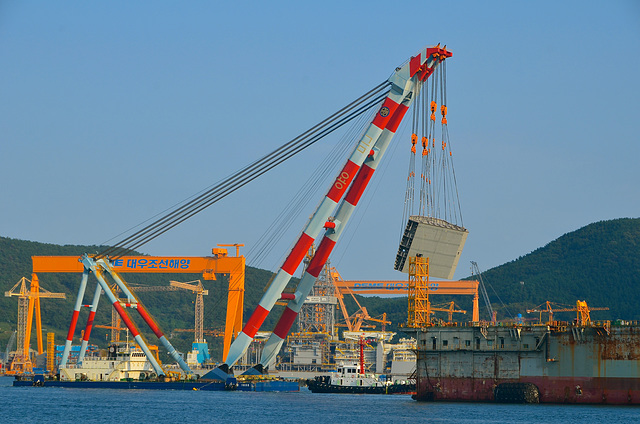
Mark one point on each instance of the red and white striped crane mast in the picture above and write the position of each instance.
(354, 176)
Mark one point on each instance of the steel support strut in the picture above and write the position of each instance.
(145, 315)
(89, 326)
(91, 264)
(74, 318)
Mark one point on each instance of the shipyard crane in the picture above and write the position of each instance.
(355, 321)
(583, 311)
(476, 271)
(199, 308)
(334, 211)
(382, 320)
(219, 263)
(462, 287)
(449, 308)
(28, 302)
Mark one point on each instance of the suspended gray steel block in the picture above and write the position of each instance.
(433, 238)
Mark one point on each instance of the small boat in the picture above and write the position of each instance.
(351, 378)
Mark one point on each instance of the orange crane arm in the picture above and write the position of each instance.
(462, 287)
(398, 287)
(208, 266)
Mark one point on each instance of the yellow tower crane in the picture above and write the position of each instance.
(418, 292)
(199, 309)
(28, 301)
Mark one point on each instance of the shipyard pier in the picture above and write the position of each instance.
(555, 363)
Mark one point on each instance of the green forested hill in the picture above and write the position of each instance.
(172, 310)
(599, 263)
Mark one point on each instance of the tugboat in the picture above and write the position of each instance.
(351, 378)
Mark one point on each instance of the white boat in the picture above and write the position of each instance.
(121, 363)
(351, 378)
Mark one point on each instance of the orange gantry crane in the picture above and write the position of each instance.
(583, 316)
(209, 266)
(462, 287)
(355, 321)
(28, 302)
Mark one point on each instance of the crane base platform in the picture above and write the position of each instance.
(220, 373)
(255, 370)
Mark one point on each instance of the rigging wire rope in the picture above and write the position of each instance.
(438, 197)
(247, 174)
(278, 228)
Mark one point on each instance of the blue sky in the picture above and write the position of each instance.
(111, 112)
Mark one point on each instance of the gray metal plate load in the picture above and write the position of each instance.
(435, 239)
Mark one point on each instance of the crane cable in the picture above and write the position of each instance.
(438, 192)
(247, 174)
(227, 187)
(278, 228)
(247, 177)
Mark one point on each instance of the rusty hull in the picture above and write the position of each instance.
(597, 364)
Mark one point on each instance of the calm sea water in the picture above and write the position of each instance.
(58, 405)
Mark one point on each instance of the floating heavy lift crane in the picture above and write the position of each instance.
(332, 214)
(28, 302)
(405, 84)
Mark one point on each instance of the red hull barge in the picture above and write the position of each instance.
(558, 363)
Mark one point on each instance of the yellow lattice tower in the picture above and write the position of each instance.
(584, 318)
(28, 303)
(51, 351)
(21, 363)
(199, 308)
(418, 292)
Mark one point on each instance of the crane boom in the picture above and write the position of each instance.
(583, 316)
(476, 271)
(354, 176)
